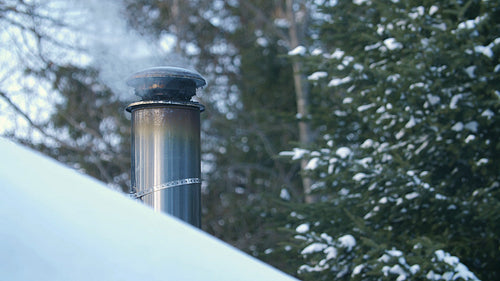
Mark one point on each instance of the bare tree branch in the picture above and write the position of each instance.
(38, 127)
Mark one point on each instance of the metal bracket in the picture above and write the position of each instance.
(162, 186)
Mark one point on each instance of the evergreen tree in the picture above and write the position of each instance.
(406, 98)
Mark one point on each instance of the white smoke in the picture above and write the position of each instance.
(118, 50)
(91, 33)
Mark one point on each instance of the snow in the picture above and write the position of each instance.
(261, 41)
(367, 143)
(317, 52)
(314, 248)
(239, 190)
(459, 126)
(317, 75)
(459, 269)
(298, 51)
(433, 9)
(357, 269)
(380, 29)
(343, 152)
(303, 228)
(384, 258)
(317, 153)
(470, 71)
(316, 185)
(440, 197)
(327, 238)
(471, 24)
(347, 100)
(358, 66)
(296, 154)
(312, 164)
(58, 224)
(317, 268)
(421, 147)
(365, 107)
(433, 99)
(359, 176)
(470, 138)
(381, 109)
(331, 253)
(442, 26)
(340, 113)
(400, 134)
(332, 3)
(365, 161)
(282, 23)
(411, 196)
(414, 268)
(395, 269)
(395, 253)
(331, 166)
(485, 50)
(392, 44)
(339, 81)
(347, 60)
(347, 241)
(472, 126)
(482, 161)
(488, 114)
(411, 123)
(360, 2)
(284, 194)
(416, 12)
(401, 268)
(393, 77)
(338, 54)
(373, 46)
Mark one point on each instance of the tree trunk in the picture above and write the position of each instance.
(302, 97)
(177, 25)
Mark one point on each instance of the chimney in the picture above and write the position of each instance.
(166, 141)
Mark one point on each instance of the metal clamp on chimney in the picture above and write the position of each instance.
(166, 141)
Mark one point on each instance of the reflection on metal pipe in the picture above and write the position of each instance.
(166, 141)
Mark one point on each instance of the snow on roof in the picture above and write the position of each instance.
(57, 224)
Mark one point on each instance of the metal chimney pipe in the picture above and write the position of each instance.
(166, 141)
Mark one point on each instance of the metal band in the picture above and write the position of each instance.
(161, 103)
(162, 186)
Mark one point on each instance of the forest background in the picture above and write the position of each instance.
(342, 140)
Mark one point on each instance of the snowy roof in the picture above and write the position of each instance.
(57, 224)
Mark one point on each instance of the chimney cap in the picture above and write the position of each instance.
(166, 83)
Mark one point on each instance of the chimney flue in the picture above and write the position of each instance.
(166, 141)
